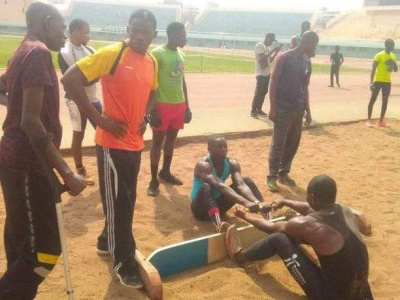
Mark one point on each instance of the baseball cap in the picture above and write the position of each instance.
(271, 36)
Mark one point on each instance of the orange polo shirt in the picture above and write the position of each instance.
(125, 93)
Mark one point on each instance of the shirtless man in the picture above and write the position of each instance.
(331, 229)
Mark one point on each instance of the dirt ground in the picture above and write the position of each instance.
(365, 163)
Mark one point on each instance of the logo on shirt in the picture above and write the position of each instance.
(178, 68)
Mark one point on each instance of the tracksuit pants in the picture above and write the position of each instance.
(31, 238)
(118, 175)
(285, 141)
(260, 93)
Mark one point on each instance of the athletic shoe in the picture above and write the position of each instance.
(261, 113)
(383, 124)
(286, 180)
(271, 184)
(369, 123)
(153, 190)
(330, 86)
(232, 241)
(169, 178)
(254, 115)
(338, 85)
(223, 227)
(102, 247)
(82, 171)
(129, 279)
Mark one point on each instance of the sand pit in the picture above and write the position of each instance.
(365, 163)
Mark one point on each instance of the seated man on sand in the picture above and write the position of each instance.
(211, 196)
(331, 229)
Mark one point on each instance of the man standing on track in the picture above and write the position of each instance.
(336, 61)
(381, 78)
(264, 58)
(74, 50)
(305, 26)
(128, 76)
(172, 106)
(331, 229)
(289, 101)
(31, 238)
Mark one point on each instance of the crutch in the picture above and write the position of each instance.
(57, 189)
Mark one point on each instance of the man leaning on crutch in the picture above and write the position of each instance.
(30, 89)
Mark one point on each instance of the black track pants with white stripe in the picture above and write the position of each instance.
(118, 174)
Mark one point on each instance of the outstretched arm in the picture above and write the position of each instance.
(302, 208)
(243, 188)
(203, 170)
(261, 224)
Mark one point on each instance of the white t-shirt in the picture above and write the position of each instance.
(261, 48)
(70, 54)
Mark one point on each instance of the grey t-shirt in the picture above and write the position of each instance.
(293, 77)
(261, 48)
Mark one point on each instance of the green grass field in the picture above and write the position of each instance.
(205, 62)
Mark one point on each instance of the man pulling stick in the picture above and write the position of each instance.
(331, 229)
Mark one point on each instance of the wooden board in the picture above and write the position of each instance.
(150, 277)
(199, 252)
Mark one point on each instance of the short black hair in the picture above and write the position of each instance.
(38, 11)
(271, 36)
(143, 14)
(306, 23)
(324, 189)
(174, 27)
(389, 42)
(212, 140)
(77, 24)
(309, 36)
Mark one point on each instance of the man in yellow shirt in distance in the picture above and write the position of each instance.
(381, 78)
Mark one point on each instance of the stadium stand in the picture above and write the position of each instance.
(374, 23)
(117, 14)
(13, 11)
(250, 22)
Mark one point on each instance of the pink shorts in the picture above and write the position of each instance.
(172, 116)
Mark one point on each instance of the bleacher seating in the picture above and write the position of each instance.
(109, 14)
(251, 22)
(375, 23)
(13, 11)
